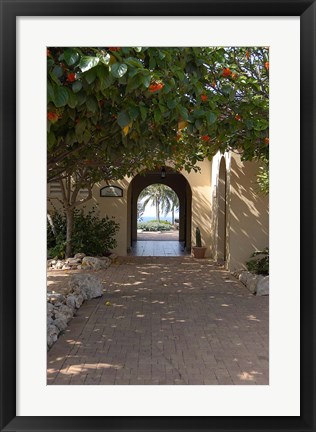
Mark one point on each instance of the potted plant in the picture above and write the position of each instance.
(198, 250)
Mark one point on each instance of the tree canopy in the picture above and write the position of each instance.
(113, 111)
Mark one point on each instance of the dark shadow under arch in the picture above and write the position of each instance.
(221, 212)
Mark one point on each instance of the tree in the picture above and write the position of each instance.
(115, 111)
(162, 197)
(170, 202)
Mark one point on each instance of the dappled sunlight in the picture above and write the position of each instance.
(248, 376)
(252, 318)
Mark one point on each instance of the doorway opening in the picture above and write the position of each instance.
(163, 229)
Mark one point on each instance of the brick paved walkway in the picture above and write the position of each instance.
(169, 321)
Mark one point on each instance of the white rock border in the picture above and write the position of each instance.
(81, 286)
(257, 284)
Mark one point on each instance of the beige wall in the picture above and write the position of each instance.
(200, 184)
(247, 215)
(247, 211)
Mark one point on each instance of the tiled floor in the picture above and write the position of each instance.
(165, 321)
(158, 248)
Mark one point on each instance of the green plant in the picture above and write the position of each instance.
(154, 226)
(92, 235)
(198, 240)
(259, 263)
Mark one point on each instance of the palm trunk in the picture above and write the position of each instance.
(172, 215)
(69, 227)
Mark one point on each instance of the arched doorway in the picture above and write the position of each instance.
(180, 186)
(221, 212)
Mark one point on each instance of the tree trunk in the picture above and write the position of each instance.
(70, 225)
(51, 223)
(172, 215)
(157, 209)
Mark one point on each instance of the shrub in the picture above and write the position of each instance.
(92, 235)
(259, 263)
(154, 226)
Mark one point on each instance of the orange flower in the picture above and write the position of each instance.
(237, 117)
(71, 77)
(247, 55)
(52, 116)
(204, 97)
(234, 75)
(266, 140)
(266, 65)
(155, 86)
(114, 48)
(226, 72)
(205, 138)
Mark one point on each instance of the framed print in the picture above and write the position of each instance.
(287, 400)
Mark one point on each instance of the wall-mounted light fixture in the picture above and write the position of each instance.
(163, 173)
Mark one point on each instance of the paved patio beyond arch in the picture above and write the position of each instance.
(165, 321)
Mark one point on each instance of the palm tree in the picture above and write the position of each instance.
(162, 197)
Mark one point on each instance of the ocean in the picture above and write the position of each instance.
(162, 218)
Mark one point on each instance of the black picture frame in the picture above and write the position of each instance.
(12, 9)
(117, 188)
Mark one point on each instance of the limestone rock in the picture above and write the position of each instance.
(64, 312)
(79, 300)
(59, 265)
(52, 334)
(50, 309)
(73, 261)
(86, 285)
(263, 286)
(71, 301)
(79, 256)
(94, 263)
(60, 323)
(55, 298)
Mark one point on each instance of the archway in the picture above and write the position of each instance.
(181, 187)
(221, 212)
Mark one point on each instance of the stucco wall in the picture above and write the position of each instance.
(200, 184)
(249, 213)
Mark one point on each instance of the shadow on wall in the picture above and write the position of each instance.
(249, 213)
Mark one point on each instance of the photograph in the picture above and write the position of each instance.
(158, 215)
(157, 234)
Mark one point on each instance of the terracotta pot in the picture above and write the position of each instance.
(199, 252)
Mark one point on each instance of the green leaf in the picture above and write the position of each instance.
(77, 86)
(86, 136)
(123, 119)
(71, 56)
(118, 70)
(143, 112)
(90, 76)
(61, 96)
(157, 115)
(210, 117)
(105, 59)
(133, 112)
(134, 62)
(183, 112)
(58, 72)
(72, 100)
(80, 127)
(172, 103)
(88, 62)
(51, 140)
(146, 80)
(138, 49)
(50, 93)
(92, 104)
